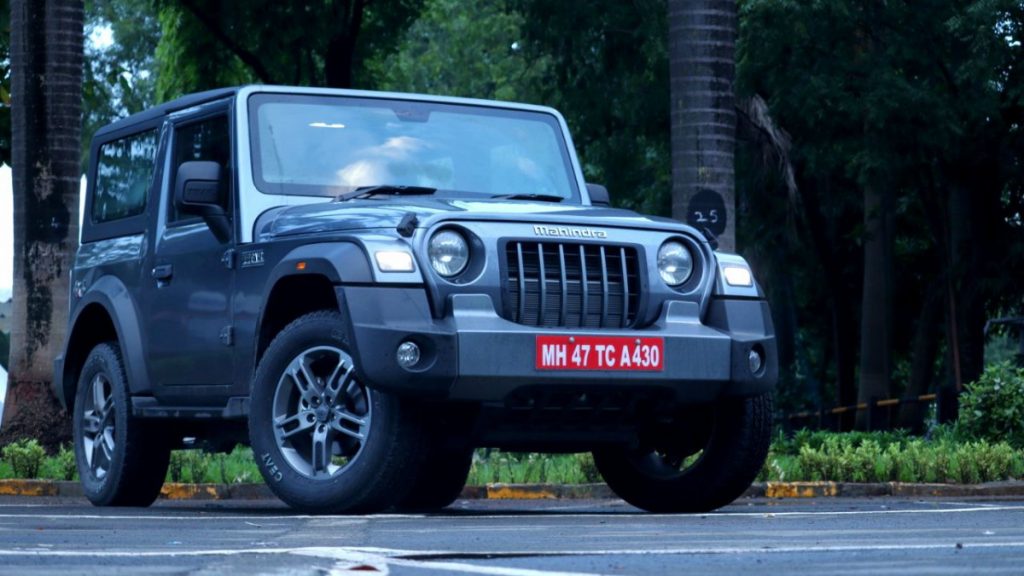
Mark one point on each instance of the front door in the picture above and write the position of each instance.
(189, 312)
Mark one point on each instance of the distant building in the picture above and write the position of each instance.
(6, 308)
(3, 389)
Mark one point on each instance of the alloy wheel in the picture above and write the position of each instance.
(321, 413)
(98, 422)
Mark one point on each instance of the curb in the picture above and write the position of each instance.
(597, 491)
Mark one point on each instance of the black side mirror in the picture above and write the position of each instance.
(198, 189)
(598, 195)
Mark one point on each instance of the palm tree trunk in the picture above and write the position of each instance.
(46, 95)
(702, 56)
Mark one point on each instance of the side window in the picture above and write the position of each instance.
(124, 173)
(204, 140)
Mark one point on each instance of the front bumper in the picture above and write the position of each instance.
(473, 354)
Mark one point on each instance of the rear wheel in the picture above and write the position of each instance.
(122, 460)
(325, 442)
(441, 477)
(672, 473)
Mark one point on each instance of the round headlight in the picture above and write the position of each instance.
(675, 263)
(449, 253)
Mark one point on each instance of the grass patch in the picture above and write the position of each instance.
(235, 467)
(490, 466)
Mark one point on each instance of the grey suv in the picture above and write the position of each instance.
(365, 287)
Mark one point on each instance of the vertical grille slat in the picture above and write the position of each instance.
(543, 284)
(522, 284)
(585, 283)
(564, 304)
(625, 287)
(571, 285)
(604, 288)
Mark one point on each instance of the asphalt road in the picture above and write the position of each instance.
(517, 538)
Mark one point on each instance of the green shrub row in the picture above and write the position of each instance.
(840, 458)
(27, 459)
(947, 457)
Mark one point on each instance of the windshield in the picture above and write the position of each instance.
(330, 145)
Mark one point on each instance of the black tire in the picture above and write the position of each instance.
(343, 475)
(652, 478)
(440, 479)
(132, 470)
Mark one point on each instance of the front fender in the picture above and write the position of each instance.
(337, 261)
(111, 294)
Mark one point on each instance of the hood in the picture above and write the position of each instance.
(388, 212)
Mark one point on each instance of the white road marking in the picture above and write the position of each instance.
(480, 569)
(953, 503)
(349, 557)
(765, 515)
(420, 557)
(346, 558)
(213, 515)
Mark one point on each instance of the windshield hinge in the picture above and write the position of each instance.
(407, 227)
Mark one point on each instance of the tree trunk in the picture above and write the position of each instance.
(339, 59)
(46, 95)
(876, 301)
(702, 69)
(923, 352)
(972, 247)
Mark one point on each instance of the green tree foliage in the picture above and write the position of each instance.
(460, 48)
(190, 59)
(325, 43)
(119, 78)
(608, 74)
(921, 101)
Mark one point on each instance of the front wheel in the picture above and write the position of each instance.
(671, 473)
(325, 442)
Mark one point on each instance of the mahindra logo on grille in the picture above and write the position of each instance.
(568, 232)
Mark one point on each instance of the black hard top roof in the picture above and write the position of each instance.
(168, 107)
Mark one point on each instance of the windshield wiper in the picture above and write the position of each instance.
(387, 189)
(538, 197)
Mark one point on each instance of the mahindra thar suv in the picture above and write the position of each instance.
(365, 287)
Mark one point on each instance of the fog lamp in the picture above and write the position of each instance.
(408, 354)
(756, 361)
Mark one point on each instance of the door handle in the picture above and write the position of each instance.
(163, 272)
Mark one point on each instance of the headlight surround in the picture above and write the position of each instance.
(448, 252)
(675, 263)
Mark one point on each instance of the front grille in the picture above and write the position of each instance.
(567, 285)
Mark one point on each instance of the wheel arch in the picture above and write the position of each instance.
(105, 313)
(304, 281)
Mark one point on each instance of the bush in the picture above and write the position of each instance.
(25, 458)
(950, 456)
(67, 466)
(188, 466)
(993, 407)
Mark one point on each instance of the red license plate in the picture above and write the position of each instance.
(600, 353)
